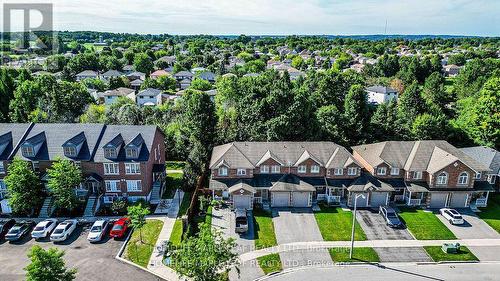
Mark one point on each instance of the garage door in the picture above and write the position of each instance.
(281, 199)
(438, 200)
(361, 203)
(378, 199)
(242, 202)
(300, 199)
(458, 200)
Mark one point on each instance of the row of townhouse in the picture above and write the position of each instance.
(431, 174)
(116, 161)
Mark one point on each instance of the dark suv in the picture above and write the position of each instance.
(5, 225)
(390, 217)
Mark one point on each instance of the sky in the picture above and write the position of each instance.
(274, 17)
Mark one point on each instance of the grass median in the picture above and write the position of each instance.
(361, 254)
(335, 224)
(263, 229)
(270, 263)
(425, 225)
(464, 254)
(140, 252)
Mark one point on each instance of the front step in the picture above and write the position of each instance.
(46, 210)
(90, 207)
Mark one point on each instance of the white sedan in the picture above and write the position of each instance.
(452, 216)
(97, 231)
(43, 228)
(63, 230)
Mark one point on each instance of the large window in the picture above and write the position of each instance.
(442, 178)
(463, 178)
(338, 171)
(112, 186)
(275, 169)
(264, 169)
(302, 169)
(352, 171)
(132, 168)
(134, 186)
(2, 168)
(394, 171)
(28, 151)
(110, 153)
(315, 169)
(111, 169)
(381, 171)
(222, 171)
(241, 172)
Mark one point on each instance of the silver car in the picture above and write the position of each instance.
(63, 230)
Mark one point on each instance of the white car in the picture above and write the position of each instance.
(43, 228)
(452, 216)
(97, 231)
(63, 230)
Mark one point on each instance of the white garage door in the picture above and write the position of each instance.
(378, 199)
(300, 199)
(438, 200)
(458, 200)
(281, 199)
(242, 202)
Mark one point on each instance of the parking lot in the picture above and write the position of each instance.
(93, 261)
(473, 227)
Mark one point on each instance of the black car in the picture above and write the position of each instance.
(18, 231)
(5, 225)
(390, 217)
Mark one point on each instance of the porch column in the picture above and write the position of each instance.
(487, 194)
(213, 193)
(409, 200)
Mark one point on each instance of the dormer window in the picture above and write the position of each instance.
(110, 153)
(223, 171)
(264, 169)
(442, 178)
(417, 175)
(302, 169)
(28, 151)
(352, 171)
(275, 169)
(241, 172)
(314, 169)
(131, 153)
(381, 171)
(463, 178)
(70, 151)
(394, 171)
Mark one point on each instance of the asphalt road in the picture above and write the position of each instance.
(457, 271)
(94, 262)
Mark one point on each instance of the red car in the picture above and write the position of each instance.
(119, 228)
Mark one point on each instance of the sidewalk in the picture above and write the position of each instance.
(368, 243)
(156, 261)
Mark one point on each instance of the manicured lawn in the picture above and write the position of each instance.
(437, 254)
(139, 252)
(491, 214)
(335, 224)
(263, 229)
(175, 165)
(176, 235)
(425, 225)
(360, 254)
(270, 263)
(172, 183)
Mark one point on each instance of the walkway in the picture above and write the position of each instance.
(369, 243)
(156, 261)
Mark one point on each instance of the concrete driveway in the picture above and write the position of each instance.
(93, 261)
(299, 225)
(473, 228)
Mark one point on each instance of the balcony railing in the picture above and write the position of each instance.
(333, 199)
(399, 198)
(481, 202)
(257, 200)
(321, 197)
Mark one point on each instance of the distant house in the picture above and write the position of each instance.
(136, 84)
(488, 157)
(136, 75)
(159, 73)
(111, 96)
(168, 59)
(451, 70)
(149, 97)
(87, 74)
(381, 94)
(128, 69)
(182, 75)
(207, 75)
(184, 83)
(111, 74)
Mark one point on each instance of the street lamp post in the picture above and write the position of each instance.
(353, 223)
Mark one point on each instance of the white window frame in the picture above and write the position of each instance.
(338, 171)
(315, 169)
(380, 169)
(112, 185)
(302, 169)
(133, 168)
(131, 153)
(111, 168)
(223, 171)
(491, 179)
(264, 169)
(478, 175)
(440, 176)
(70, 151)
(107, 153)
(352, 171)
(134, 186)
(241, 172)
(463, 175)
(28, 151)
(417, 175)
(275, 169)
(394, 171)
(2, 168)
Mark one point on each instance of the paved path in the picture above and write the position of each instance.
(156, 261)
(368, 243)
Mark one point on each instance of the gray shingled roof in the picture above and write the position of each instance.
(486, 155)
(13, 134)
(149, 92)
(381, 89)
(248, 154)
(112, 73)
(367, 182)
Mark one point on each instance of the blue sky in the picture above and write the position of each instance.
(253, 17)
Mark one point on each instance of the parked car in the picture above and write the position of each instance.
(63, 230)
(43, 228)
(119, 228)
(97, 231)
(5, 225)
(19, 230)
(241, 221)
(391, 217)
(452, 216)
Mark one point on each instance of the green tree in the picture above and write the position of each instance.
(410, 105)
(137, 215)
(458, 59)
(26, 98)
(356, 115)
(331, 122)
(23, 187)
(383, 123)
(48, 265)
(205, 257)
(143, 63)
(428, 127)
(64, 177)
(200, 85)
(6, 93)
(94, 114)
(434, 92)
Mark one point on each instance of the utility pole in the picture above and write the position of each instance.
(354, 223)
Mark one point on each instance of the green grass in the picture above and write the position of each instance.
(335, 224)
(425, 225)
(491, 214)
(175, 165)
(176, 235)
(186, 201)
(366, 254)
(270, 263)
(438, 255)
(263, 229)
(140, 252)
(173, 182)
